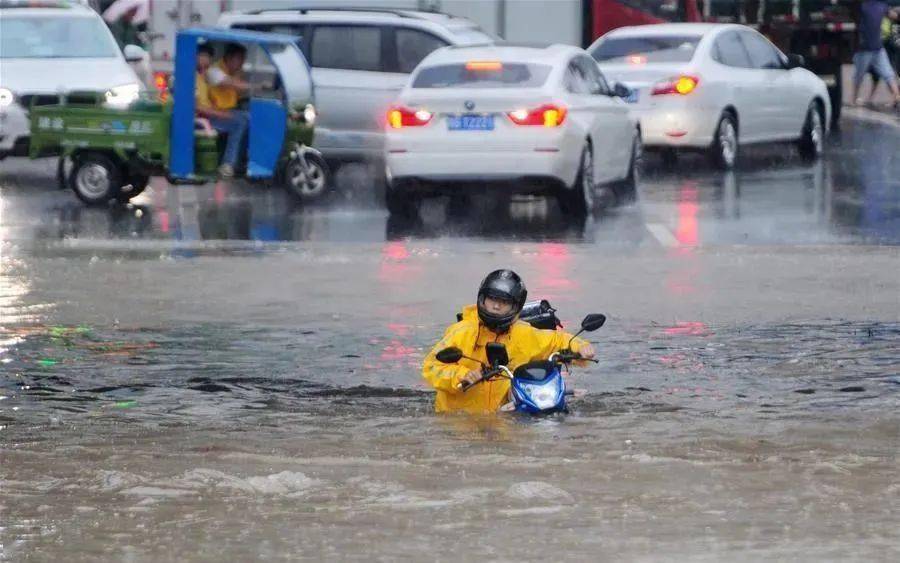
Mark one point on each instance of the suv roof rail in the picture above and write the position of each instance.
(304, 9)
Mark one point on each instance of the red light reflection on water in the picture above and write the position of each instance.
(687, 328)
(554, 279)
(687, 231)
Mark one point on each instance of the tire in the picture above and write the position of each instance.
(579, 200)
(95, 178)
(307, 187)
(138, 182)
(812, 138)
(399, 201)
(626, 190)
(725, 148)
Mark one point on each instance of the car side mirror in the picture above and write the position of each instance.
(496, 354)
(621, 91)
(794, 61)
(449, 355)
(133, 53)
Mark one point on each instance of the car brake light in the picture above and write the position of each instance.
(401, 117)
(484, 65)
(683, 85)
(548, 115)
(637, 60)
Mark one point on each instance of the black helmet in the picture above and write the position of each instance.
(501, 284)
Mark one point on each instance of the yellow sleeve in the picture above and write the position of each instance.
(441, 376)
(551, 341)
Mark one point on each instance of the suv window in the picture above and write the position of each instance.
(414, 45)
(730, 51)
(347, 47)
(762, 55)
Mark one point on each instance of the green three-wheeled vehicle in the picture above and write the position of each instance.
(108, 151)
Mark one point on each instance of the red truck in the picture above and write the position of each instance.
(823, 31)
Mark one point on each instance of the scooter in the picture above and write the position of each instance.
(537, 387)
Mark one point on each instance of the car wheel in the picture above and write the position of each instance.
(307, 182)
(95, 178)
(812, 138)
(579, 199)
(399, 201)
(725, 146)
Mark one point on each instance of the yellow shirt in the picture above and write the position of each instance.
(223, 97)
(201, 92)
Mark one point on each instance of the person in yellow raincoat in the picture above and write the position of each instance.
(494, 318)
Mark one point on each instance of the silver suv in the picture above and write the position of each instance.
(361, 59)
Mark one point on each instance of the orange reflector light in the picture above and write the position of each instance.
(484, 65)
(685, 84)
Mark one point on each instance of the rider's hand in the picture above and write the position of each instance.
(469, 378)
(586, 351)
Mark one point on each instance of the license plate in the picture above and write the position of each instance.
(633, 97)
(470, 122)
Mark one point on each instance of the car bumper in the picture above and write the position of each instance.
(676, 123)
(14, 130)
(517, 172)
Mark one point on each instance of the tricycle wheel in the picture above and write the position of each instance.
(138, 183)
(95, 178)
(307, 183)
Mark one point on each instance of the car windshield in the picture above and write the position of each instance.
(40, 37)
(650, 49)
(483, 74)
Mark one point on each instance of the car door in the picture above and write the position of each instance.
(352, 87)
(785, 103)
(745, 84)
(613, 119)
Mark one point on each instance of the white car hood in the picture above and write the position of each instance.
(40, 76)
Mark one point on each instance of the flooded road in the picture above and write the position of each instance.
(215, 373)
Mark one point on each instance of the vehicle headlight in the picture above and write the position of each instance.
(309, 114)
(543, 396)
(123, 95)
(6, 97)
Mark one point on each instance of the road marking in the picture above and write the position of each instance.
(663, 235)
(872, 116)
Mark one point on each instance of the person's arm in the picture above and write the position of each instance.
(217, 77)
(441, 376)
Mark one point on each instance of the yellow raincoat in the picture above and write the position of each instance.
(524, 344)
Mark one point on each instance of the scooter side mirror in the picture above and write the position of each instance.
(496, 354)
(449, 355)
(593, 322)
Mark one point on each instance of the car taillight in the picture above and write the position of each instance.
(548, 115)
(399, 117)
(682, 85)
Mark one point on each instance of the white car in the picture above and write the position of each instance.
(715, 87)
(361, 58)
(524, 119)
(51, 48)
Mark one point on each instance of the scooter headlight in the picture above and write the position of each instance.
(309, 114)
(543, 396)
(6, 97)
(121, 96)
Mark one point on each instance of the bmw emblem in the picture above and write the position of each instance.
(470, 105)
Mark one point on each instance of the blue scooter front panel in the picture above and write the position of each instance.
(543, 396)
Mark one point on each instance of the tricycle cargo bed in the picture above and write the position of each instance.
(64, 129)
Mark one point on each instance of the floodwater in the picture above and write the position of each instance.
(209, 375)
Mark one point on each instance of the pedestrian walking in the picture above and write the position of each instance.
(871, 54)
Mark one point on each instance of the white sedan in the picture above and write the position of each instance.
(715, 87)
(519, 119)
